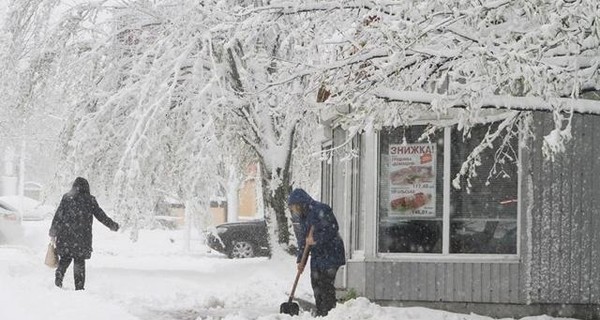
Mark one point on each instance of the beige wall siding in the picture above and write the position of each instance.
(247, 196)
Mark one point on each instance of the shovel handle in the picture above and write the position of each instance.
(303, 264)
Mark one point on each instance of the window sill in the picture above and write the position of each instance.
(447, 258)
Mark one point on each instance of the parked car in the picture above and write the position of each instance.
(243, 239)
(32, 209)
(10, 226)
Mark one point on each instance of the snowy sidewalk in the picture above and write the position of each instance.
(149, 279)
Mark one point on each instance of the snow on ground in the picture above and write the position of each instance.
(154, 278)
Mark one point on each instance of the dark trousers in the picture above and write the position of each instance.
(324, 290)
(78, 271)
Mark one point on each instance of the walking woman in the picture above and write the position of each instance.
(71, 230)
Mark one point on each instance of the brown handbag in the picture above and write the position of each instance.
(51, 257)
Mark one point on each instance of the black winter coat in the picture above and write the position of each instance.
(72, 223)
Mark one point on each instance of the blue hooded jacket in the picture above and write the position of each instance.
(328, 251)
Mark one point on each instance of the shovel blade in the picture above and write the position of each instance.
(290, 308)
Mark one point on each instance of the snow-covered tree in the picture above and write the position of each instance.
(395, 62)
(510, 55)
(269, 100)
(31, 116)
(155, 90)
(143, 128)
(158, 91)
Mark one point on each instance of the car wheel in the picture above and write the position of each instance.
(241, 249)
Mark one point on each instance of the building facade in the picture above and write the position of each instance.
(520, 238)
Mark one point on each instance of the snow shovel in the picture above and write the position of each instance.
(291, 307)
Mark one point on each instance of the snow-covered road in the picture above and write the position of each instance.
(155, 279)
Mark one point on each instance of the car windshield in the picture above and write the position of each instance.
(5, 207)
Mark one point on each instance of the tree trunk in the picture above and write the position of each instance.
(277, 200)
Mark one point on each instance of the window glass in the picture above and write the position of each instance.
(410, 191)
(483, 211)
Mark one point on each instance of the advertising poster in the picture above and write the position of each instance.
(412, 180)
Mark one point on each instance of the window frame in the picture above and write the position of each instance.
(446, 255)
(357, 206)
(326, 175)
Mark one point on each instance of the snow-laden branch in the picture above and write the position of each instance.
(580, 62)
(292, 7)
(502, 133)
(493, 101)
(356, 59)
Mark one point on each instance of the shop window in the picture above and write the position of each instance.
(483, 211)
(410, 191)
(482, 214)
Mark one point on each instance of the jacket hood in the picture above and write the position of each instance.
(81, 186)
(299, 196)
